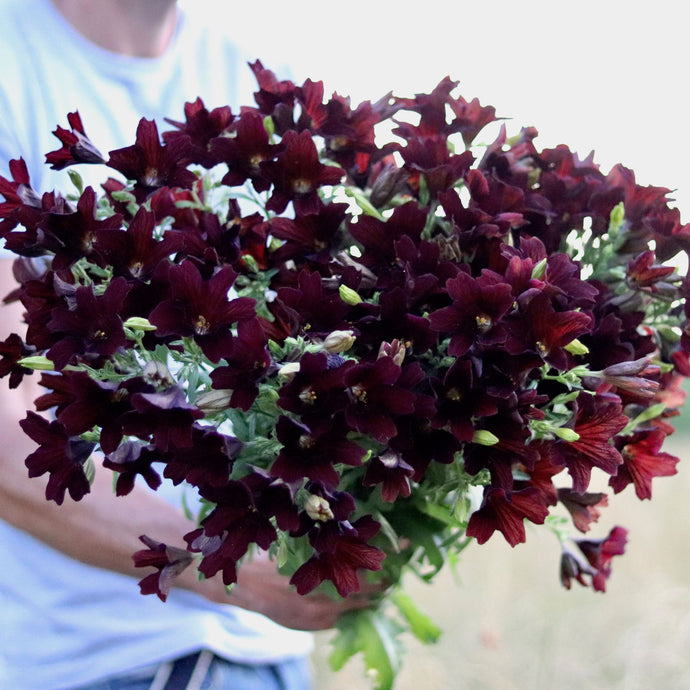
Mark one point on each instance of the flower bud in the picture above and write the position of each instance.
(318, 508)
(349, 296)
(485, 438)
(36, 362)
(288, 370)
(158, 374)
(138, 323)
(395, 350)
(566, 433)
(214, 401)
(539, 270)
(632, 368)
(339, 341)
(390, 180)
(575, 347)
(630, 376)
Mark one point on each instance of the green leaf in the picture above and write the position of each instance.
(375, 636)
(439, 512)
(422, 530)
(240, 425)
(421, 626)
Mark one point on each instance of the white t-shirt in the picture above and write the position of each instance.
(63, 623)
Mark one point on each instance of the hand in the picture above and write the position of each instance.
(261, 588)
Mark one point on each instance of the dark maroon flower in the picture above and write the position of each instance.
(246, 363)
(61, 456)
(20, 198)
(644, 273)
(419, 445)
(165, 417)
(317, 390)
(273, 93)
(92, 329)
(350, 552)
(616, 335)
(12, 349)
(197, 133)
(492, 195)
(574, 566)
(309, 236)
(135, 252)
(395, 321)
(392, 473)
(583, 508)
(73, 236)
(376, 398)
(80, 401)
(379, 237)
(643, 460)
(76, 146)
(597, 421)
(312, 455)
(462, 399)
(478, 306)
(243, 515)
(541, 473)
(348, 132)
(599, 554)
(169, 561)
(505, 511)
(150, 164)
(207, 461)
(244, 152)
(129, 460)
(201, 309)
(471, 117)
(312, 304)
(297, 174)
(429, 158)
(235, 515)
(539, 328)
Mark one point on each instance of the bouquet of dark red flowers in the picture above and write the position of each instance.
(363, 339)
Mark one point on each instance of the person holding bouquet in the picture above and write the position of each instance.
(72, 615)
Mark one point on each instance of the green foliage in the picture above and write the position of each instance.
(373, 635)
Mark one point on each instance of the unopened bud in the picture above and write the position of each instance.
(318, 508)
(214, 401)
(387, 184)
(632, 368)
(339, 341)
(566, 433)
(617, 216)
(575, 347)
(395, 350)
(36, 362)
(288, 370)
(539, 269)
(485, 438)
(158, 374)
(138, 323)
(349, 296)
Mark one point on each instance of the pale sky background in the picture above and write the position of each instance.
(609, 75)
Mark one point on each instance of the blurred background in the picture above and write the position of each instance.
(604, 76)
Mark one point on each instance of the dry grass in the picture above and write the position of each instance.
(508, 625)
